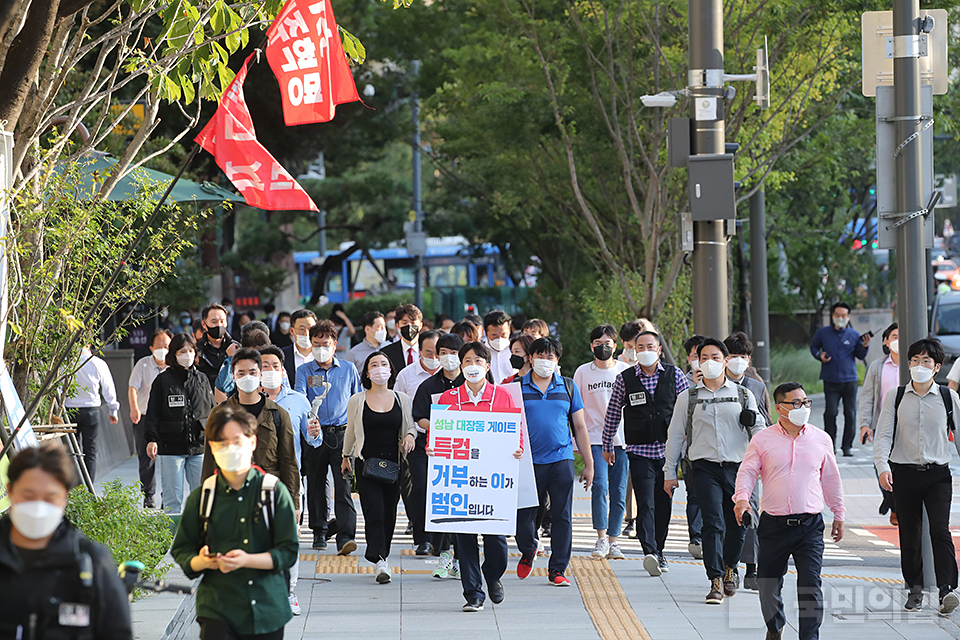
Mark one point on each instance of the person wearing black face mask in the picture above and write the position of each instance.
(212, 349)
(519, 356)
(405, 351)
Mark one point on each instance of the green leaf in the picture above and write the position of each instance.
(218, 18)
(352, 46)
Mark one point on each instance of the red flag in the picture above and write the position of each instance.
(306, 54)
(230, 137)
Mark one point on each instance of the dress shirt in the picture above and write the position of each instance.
(500, 366)
(410, 378)
(653, 451)
(475, 398)
(299, 359)
(921, 429)
(797, 473)
(344, 380)
(406, 348)
(889, 378)
(716, 431)
(92, 378)
(358, 354)
(298, 407)
(141, 378)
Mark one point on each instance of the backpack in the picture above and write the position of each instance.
(568, 385)
(947, 404)
(268, 500)
(693, 401)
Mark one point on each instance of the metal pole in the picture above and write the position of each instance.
(707, 137)
(322, 235)
(911, 253)
(417, 193)
(759, 312)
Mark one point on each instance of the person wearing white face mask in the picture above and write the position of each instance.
(883, 376)
(379, 428)
(837, 347)
(799, 471)
(497, 327)
(301, 351)
(740, 348)
(275, 451)
(180, 401)
(329, 383)
(912, 453)
(281, 335)
(138, 393)
(694, 520)
(643, 397)
(628, 335)
(374, 335)
(713, 422)
(43, 558)
(246, 544)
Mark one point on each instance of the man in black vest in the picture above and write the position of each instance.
(647, 407)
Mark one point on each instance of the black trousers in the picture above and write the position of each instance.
(214, 629)
(804, 541)
(722, 535)
(148, 466)
(316, 461)
(654, 505)
(472, 573)
(88, 428)
(834, 392)
(913, 490)
(556, 480)
(379, 502)
(414, 488)
(694, 519)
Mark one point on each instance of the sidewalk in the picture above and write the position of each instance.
(609, 600)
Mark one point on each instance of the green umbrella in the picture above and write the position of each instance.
(95, 168)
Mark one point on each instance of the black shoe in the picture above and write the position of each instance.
(662, 562)
(409, 530)
(630, 529)
(496, 592)
(847, 453)
(914, 602)
(424, 549)
(474, 604)
(546, 531)
(320, 541)
(777, 635)
(750, 582)
(333, 528)
(148, 503)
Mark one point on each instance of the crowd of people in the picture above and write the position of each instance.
(270, 438)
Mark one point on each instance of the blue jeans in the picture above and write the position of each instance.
(612, 479)
(172, 472)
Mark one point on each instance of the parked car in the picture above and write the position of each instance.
(945, 324)
(944, 270)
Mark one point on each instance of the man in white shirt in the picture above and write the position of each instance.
(595, 381)
(496, 327)
(301, 351)
(84, 405)
(138, 393)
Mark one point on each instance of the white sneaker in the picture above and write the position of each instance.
(383, 572)
(652, 564)
(948, 603)
(294, 604)
(615, 553)
(601, 549)
(696, 550)
(443, 565)
(541, 550)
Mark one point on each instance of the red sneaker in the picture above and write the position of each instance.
(557, 579)
(526, 565)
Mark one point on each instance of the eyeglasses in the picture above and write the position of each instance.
(796, 404)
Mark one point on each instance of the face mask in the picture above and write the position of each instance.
(737, 366)
(603, 351)
(694, 365)
(840, 323)
(450, 362)
(36, 519)
(323, 354)
(234, 457)
(474, 373)
(215, 332)
(544, 368)
(799, 416)
(409, 332)
(430, 363)
(284, 326)
(499, 344)
(517, 362)
(391, 324)
(630, 355)
(248, 384)
(647, 358)
(895, 346)
(160, 354)
(711, 369)
(185, 321)
(380, 335)
(380, 375)
(920, 374)
(185, 360)
(271, 379)
(303, 341)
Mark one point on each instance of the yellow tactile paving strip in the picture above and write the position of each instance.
(605, 600)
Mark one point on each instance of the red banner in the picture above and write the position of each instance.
(231, 139)
(306, 54)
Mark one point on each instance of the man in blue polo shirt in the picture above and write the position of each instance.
(837, 347)
(551, 409)
(333, 381)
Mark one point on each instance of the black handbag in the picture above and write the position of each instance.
(385, 471)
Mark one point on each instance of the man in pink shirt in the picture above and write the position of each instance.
(796, 463)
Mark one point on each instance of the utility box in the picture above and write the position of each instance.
(678, 141)
(711, 187)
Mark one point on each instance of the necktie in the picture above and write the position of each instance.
(410, 355)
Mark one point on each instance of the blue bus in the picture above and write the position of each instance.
(450, 262)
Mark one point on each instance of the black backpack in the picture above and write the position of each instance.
(947, 404)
